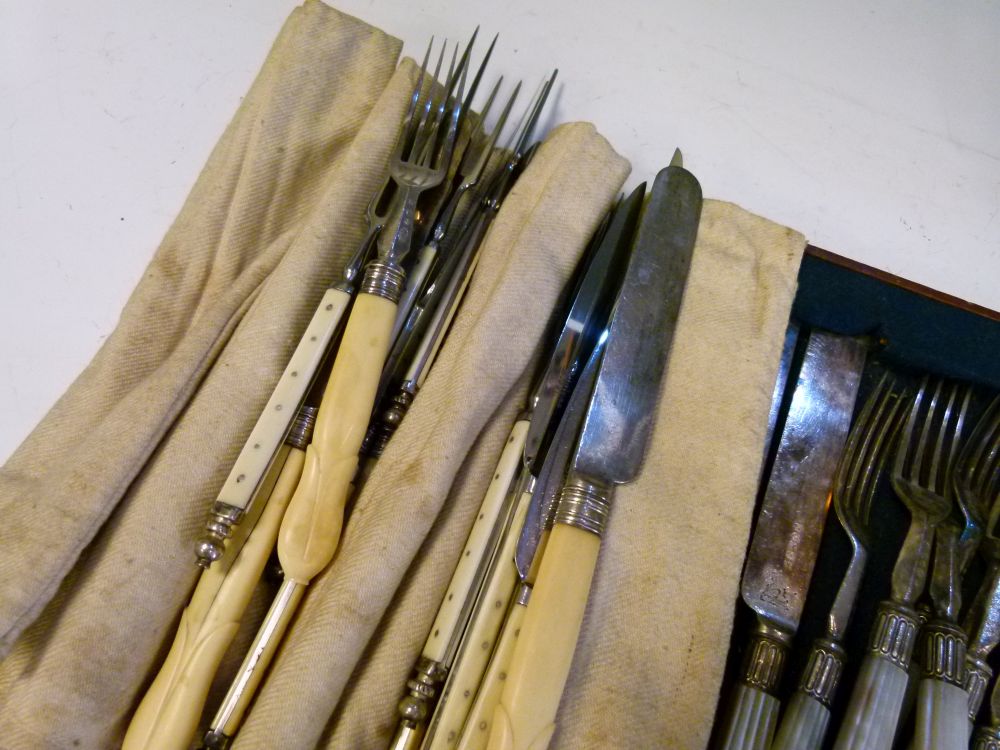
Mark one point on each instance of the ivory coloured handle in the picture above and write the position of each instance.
(310, 531)
(873, 712)
(803, 725)
(751, 719)
(464, 578)
(478, 642)
(272, 425)
(525, 717)
(169, 712)
(414, 283)
(942, 716)
(476, 733)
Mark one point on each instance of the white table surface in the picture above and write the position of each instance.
(870, 127)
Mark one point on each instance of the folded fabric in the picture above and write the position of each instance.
(104, 501)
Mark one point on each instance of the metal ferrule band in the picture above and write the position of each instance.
(943, 646)
(895, 633)
(764, 661)
(300, 434)
(822, 673)
(383, 280)
(423, 688)
(584, 505)
(987, 738)
(977, 679)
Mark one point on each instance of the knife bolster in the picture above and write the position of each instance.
(823, 670)
(383, 279)
(765, 657)
(584, 504)
(894, 634)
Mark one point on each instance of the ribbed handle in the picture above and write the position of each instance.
(751, 720)
(873, 712)
(942, 716)
(804, 724)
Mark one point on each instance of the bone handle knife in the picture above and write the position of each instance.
(171, 708)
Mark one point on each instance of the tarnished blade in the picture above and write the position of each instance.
(786, 540)
(569, 354)
(621, 413)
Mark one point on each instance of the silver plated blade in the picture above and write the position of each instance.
(786, 541)
(620, 417)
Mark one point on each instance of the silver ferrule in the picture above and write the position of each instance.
(422, 692)
(215, 740)
(894, 634)
(585, 505)
(822, 673)
(523, 595)
(977, 679)
(301, 432)
(383, 279)
(764, 661)
(219, 528)
(942, 646)
(387, 422)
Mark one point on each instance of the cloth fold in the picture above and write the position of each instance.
(104, 500)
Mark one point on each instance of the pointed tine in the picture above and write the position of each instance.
(925, 432)
(463, 62)
(953, 435)
(529, 129)
(848, 467)
(421, 132)
(906, 440)
(859, 440)
(982, 447)
(479, 73)
(513, 137)
(939, 462)
(407, 132)
(488, 104)
(879, 455)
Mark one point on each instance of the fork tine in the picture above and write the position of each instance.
(407, 131)
(847, 469)
(925, 432)
(889, 426)
(536, 111)
(420, 132)
(905, 442)
(479, 74)
(982, 447)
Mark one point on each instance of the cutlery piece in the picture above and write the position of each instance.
(419, 340)
(804, 723)
(468, 174)
(481, 576)
(310, 530)
(789, 528)
(920, 468)
(609, 451)
(169, 712)
(977, 487)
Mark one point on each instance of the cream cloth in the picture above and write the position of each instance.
(153, 424)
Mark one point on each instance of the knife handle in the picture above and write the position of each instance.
(310, 531)
(476, 733)
(265, 438)
(805, 721)
(752, 717)
(525, 717)
(476, 546)
(942, 703)
(464, 681)
(169, 712)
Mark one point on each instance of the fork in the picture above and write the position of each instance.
(804, 725)
(311, 526)
(919, 477)
(977, 485)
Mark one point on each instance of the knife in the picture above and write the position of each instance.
(786, 541)
(587, 314)
(609, 451)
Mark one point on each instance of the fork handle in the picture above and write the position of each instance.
(942, 703)
(804, 724)
(877, 699)
(751, 720)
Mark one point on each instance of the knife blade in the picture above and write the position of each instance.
(609, 451)
(786, 540)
